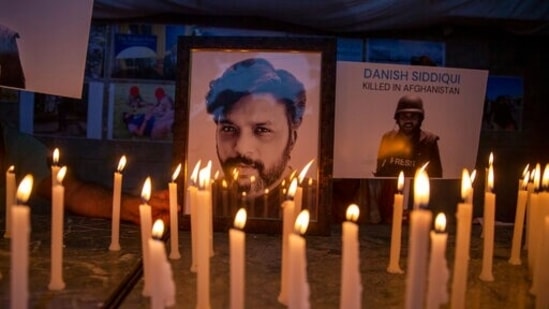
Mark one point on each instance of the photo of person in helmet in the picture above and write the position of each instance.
(408, 147)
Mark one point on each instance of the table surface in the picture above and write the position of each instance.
(92, 273)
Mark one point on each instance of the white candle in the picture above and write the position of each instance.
(174, 223)
(418, 243)
(463, 239)
(488, 227)
(437, 291)
(288, 207)
(351, 286)
(298, 291)
(543, 212)
(519, 223)
(10, 198)
(20, 234)
(58, 195)
(203, 200)
(190, 208)
(116, 196)
(145, 223)
(542, 299)
(396, 230)
(162, 294)
(237, 242)
(532, 214)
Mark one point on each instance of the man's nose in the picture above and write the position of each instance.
(245, 144)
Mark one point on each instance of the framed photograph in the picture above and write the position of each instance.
(257, 113)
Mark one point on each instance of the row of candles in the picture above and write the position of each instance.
(530, 200)
(294, 287)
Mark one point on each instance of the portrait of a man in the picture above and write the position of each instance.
(256, 119)
(408, 147)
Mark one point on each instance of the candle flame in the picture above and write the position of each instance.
(267, 191)
(302, 222)
(310, 183)
(240, 218)
(216, 175)
(11, 169)
(524, 183)
(465, 184)
(525, 170)
(491, 178)
(146, 191)
(24, 189)
(292, 189)
(491, 159)
(176, 172)
(473, 176)
(252, 179)
(537, 176)
(304, 171)
(121, 163)
(352, 212)
(194, 174)
(157, 229)
(204, 177)
(440, 222)
(55, 156)
(400, 182)
(545, 178)
(61, 174)
(421, 188)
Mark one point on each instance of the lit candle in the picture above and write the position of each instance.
(190, 203)
(351, 286)
(162, 285)
(225, 197)
(10, 198)
(543, 212)
(116, 196)
(237, 240)
(533, 213)
(486, 175)
(488, 226)
(208, 171)
(288, 207)
(145, 217)
(542, 299)
(203, 200)
(57, 200)
(298, 296)
(463, 239)
(418, 243)
(437, 291)
(396, 230)
(174, 225)
(519, 222)
(55, 165)
(20, 234)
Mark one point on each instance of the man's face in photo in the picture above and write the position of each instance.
(408, 123)
(253, 139)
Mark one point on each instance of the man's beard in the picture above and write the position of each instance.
(265, 177)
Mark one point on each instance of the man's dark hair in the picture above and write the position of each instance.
(256, 75)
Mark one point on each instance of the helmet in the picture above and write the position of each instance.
(410, 104)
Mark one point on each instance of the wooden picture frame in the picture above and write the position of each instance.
(202, 61)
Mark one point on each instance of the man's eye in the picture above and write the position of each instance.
(228, 129)
(262, 131)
